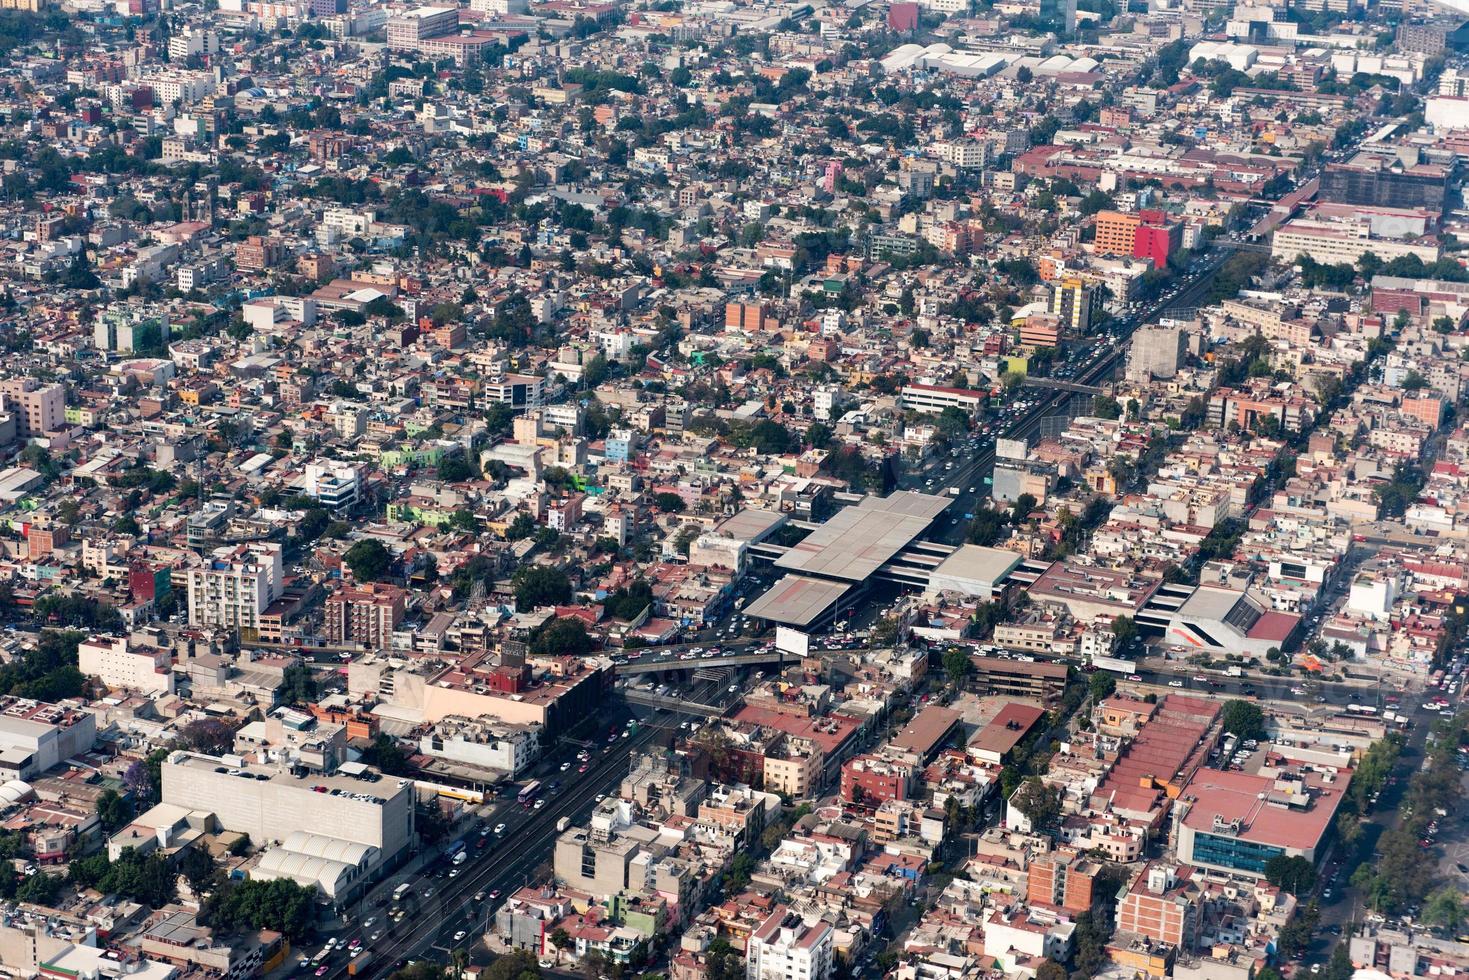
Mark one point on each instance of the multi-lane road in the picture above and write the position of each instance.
(441, 907)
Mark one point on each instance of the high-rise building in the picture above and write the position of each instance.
(38, 408)
(236, 586)
(1116, 232)
(367, 614)
(1074, 301)
(1155, 352)
(1161, 903)
(1062, 881)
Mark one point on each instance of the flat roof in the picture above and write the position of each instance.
(929, 727)
(1246, 797)
(857, 541)
(797, 600)
(974, 565)
(751, 524)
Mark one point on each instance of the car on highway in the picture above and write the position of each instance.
(1175, 683)
(494, 894)
(459, 936)
(1134, 677)
(541, 803)
(321, 970)
(499, 828)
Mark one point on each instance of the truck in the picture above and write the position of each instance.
(562, 824)
(952, 491)
(460, 857)
(401, 891)
(1233, 671)
(358, 964)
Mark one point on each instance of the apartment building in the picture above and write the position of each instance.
(118, 663)
(236, 586)
(787, 946)
(38, 408)
(366, 615)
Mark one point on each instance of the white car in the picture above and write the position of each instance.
(541, 803)
(1175, 683)
(499, 828)
(459, 936)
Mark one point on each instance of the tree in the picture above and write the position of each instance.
(1125, 629)
(1024, 505)
(113, 810)
(1050, 969)
(298, 685)
(1040, 804)
(956, 665)
(1244, 720)
(385, 755)
(540, 586)
(368, 560)
(1444, 910)
(1101, 685)
(518, 965)
(669, 502)
(564, 635)
(1293, 874)
(207, 735)
(279, 904)
(561, 939)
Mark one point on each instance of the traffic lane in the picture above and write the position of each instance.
(491, 871)
(532, 849)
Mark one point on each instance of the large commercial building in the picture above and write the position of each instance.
(1217, 620)
(933, 399)
(1238, 821)
(1336, 243)
(411, 26)
(331, 830)
(554, 695)
(1144, 235)
(236, 587)
(1385, 182)
(35, 736)
(789, 946)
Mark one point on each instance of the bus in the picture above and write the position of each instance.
(401, 891)
(528, 792)
(1361, 709)
(454, 849)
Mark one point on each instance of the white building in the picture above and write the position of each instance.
(34, 735)
(236, 587)
(119, 665)
(787, 946)
(483, 743)
(334, 487)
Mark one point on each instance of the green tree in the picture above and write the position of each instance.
(537, 585)
(1101, 685)
(1444, 910)
(1050, 969)
(1293, 874)
(1040, 804)
(1125, 629)
(956, 665)
(368, 560)
(669, 502)
(114, 810)
(1244, 720)
(562, 636)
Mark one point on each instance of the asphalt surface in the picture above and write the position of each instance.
(976, 457)
(443, 907)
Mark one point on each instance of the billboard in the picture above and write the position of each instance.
(792, 641)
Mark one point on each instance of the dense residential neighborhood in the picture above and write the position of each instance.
(734, 490)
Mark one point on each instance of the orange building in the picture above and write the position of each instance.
(1064, 881)
(1116, 232)
(1162, 903)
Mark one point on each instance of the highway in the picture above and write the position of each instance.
(969, 475)
(442, 907)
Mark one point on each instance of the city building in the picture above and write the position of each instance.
(365, 615)
(237, 586)
(788, 946)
